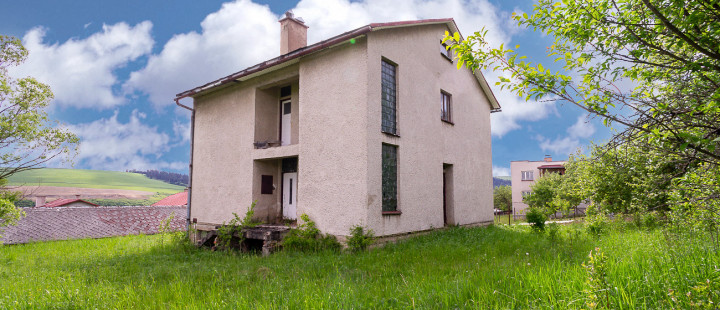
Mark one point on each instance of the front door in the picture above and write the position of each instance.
(290, 195)
(285, 125)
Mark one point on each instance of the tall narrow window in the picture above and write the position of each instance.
(389, 178)
(446, 107)
(389, 91)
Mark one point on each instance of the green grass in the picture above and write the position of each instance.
(476, 268)
(92, 179)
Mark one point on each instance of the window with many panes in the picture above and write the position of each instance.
(527, 175)
(389, 97)
(446, 109)
(389, 178)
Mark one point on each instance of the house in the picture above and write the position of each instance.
(523, 174)
(374, 127)
(179, 199)
(69, 202)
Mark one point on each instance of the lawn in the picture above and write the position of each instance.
(92, 179)
(495, 267)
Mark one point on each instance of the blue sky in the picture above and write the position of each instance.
(115, 67)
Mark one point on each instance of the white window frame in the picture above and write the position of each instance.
(527, 175)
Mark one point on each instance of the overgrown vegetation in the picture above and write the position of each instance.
(481, 268)
(360, 239)
(230, 235)
(308, 238)
(536, 218)
(502, 198)
(651, 66)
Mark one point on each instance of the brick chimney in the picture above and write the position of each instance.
(39, 201)
(293, 33)
(548, 158)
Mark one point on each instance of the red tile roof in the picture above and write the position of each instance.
(61, 223)
(62, 202)
(551, 167)
(179, 199)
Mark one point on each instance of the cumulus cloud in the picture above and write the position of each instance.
(80, 71)
(243, 33)
(239, 35)
(500, 171)
(109, 144)
(570, 143)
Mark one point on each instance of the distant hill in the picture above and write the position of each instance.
(501, 181)
(92, 179)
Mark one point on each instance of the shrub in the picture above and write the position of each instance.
(360, 239)
(596, 224)
(553, 231)
(227, 232)
(307, 238)
(650, 220)
(536, 219)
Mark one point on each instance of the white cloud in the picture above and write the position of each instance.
(569, 144)
(500, 171)
(108, 144)
(582, 128)
(80, 72)
(239, 35)
(516, 110)
(243, 33)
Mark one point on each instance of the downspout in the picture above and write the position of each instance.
(190, 168)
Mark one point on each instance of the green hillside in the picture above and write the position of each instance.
(92, 179)
(505, 177)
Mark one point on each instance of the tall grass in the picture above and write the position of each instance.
(476, 268)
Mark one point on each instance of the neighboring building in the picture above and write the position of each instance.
(179, 199)
(524, 173)
(77, 222)
(374, 127)
(68, 203)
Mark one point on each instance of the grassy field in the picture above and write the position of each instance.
(92, 179)
(476, 268)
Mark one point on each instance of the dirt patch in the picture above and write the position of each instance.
(51, 192)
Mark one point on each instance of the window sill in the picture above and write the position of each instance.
(391, 212)
(447, 57)
(391, 134)
(448, 122)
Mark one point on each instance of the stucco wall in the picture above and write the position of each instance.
(426, 142)
(223, 152)
(332, 164)
(518, 185)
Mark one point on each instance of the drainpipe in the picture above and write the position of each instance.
(190, 168)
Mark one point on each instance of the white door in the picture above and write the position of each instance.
(285, 126)
(290, 195)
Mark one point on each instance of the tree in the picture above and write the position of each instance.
(502, 198)
(544, 192)
(28, 138)
(668, 50)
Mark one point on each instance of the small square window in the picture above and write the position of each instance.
(445, 51)
(446, 107)
(266, 185)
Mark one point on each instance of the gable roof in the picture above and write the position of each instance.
(179, 199)
(293, 57)
(62, 202)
